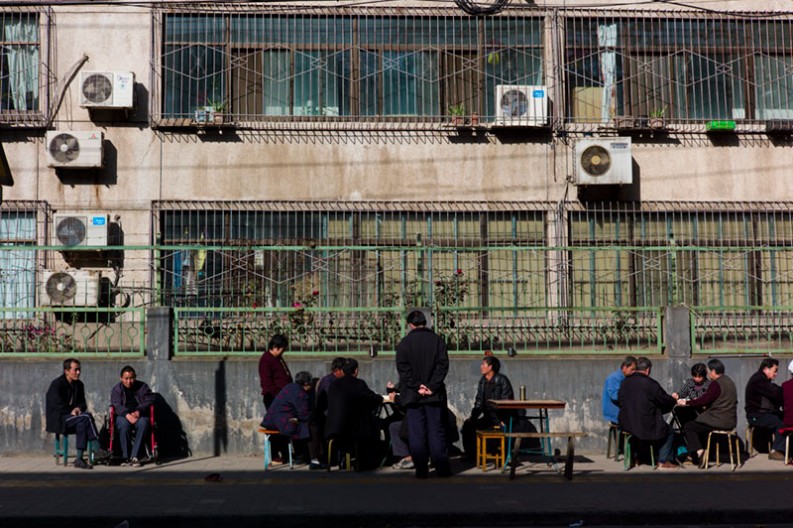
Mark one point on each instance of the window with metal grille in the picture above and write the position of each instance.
(679, 68)
(19, 70)
(353, 259)
(338, 66)
(17, 264)
(720, 258)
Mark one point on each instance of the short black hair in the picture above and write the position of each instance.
(643, 363)
(127, 368)
(337, 364)
(303, 378)
(699, 369)
(278, 341)
(67, 363)
(716, 366)
(417, 318)
(768, 363)
(628, 361)
(350, 366)
(494, 362)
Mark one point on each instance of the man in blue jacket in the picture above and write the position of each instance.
(131, 400)
(612, 388)
(423, 362)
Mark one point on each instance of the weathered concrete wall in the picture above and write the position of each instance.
(218, 401)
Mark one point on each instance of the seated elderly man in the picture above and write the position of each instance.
(720, 402)
(764, 403)
(351, 413)
(492, 386)
(642, 404)
(290, 411)
(131, 400)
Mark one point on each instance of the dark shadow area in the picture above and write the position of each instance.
(609, 193)
(218, 134)
(121, 118)
(508, 135)
(171, 438)
(723, 139)
(221, 431)
(107, 175)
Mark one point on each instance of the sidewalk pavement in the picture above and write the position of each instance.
(35, 492)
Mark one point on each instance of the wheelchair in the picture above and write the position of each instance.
(149, 444)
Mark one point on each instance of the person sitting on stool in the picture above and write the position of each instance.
(131, 400)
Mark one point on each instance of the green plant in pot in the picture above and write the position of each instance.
(656, 118)
(457, 114)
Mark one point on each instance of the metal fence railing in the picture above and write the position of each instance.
(741, 330)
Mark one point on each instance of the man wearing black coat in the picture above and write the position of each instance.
(351, 413)
(423, 362)
(642, 404)
(66, 410)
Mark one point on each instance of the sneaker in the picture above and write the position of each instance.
(776, 455)
(668, 465)
(134, 462)
(80, 463)
(405, 463)
(317, 466)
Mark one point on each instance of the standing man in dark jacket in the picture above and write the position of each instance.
(131, 400)
(492, 386)
(763, 404)
(721, 409)
(66, 410)
(422, 363)
(642, 404)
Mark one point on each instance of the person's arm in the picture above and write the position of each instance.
(266, 376)
(441, 368)
(613, 389)
(145, 399)
(302, 406)
(80, 397)
(479, 400)
(713, 392)
(664, 400)
(406, 375)
(116, 400)
(56, 399)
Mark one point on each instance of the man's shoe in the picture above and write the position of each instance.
(776, 455)
(668, 465)
(404, 464)
(80, 463)
(317, 466)
(134, 462)
(102, 454)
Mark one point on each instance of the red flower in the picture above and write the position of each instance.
(458, 272)
(315, 293)
(297, 305)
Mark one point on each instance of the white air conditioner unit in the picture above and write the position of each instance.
(605, 161)
(80, 229)
(111, 90)
(519, 105)
(69, 288)
(77, 149)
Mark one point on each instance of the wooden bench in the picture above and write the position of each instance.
(570, 435)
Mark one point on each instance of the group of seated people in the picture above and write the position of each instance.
(131, 400)
(340, 405)
(635, 403)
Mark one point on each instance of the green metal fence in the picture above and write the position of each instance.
(741, 330)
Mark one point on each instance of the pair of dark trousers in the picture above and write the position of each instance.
(427, 439)
(695, 433)
(141, 427)
(772, 423)
(469, 429)
(84, 427)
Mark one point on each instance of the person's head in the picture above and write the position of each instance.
(277, 344)
(644, 365)
(490, 366)
(337, 367)
(628, 365)
(71, 369)
(416, 319)
(128, 377)
(303, 379)
(715, 369)
(351, 367)
(769, 367)
(699, 372)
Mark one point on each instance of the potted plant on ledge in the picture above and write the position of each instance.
(656, 119)
(218, 108)
(457, 114)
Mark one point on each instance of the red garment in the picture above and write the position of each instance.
(787, 406)
(274, 375)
